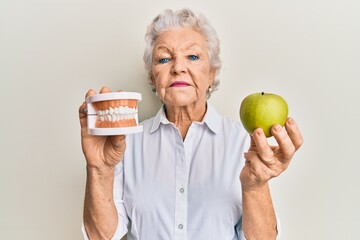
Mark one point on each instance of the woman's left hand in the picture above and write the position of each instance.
(263, 161)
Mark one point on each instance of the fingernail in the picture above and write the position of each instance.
(277, 127)
(259, 131)
(290, 120)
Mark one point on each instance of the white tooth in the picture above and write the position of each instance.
(116, 110)
(113, 118)
(108, 117)
(102, 118)
(111, 111)
(106, 111)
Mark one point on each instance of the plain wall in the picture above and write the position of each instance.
(52, 52)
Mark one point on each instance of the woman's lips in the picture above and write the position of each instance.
(179, 84)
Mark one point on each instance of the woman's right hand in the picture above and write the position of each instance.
(101, 152)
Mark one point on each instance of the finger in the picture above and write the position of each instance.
(286, 146)
(83, 107)
(252, 144)
(105, 90)
(294, 132)
(263, 148)
(89, 93)
(83, 119)
(82, 112)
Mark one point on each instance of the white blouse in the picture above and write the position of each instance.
(170, 189)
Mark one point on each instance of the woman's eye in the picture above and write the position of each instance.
(193, 57)
(164, 60)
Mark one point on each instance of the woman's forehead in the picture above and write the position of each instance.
(183, 38)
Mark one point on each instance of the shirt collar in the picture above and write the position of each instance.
(212, 119)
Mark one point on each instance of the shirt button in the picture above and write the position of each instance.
(182, 190)
(180, 226)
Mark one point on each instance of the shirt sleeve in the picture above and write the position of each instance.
(123, 220)
(242, 236)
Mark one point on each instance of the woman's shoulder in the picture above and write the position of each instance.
(225, 121)
(225, 125)
(147, 125)
(231, 125)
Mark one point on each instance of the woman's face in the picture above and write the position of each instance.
(180, 68)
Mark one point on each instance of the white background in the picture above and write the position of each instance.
(51, 52)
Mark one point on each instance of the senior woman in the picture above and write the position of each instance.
(192, 173)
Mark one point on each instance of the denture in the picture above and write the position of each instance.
(116, 113)
(113, 113)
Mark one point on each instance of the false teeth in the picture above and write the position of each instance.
(113, 113)
(116, 114)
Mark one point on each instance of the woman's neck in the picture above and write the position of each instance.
(182, 117)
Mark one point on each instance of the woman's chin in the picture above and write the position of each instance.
(182, 99)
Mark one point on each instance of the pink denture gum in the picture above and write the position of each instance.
(114, 113)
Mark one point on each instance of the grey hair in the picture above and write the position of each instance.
(184, 18)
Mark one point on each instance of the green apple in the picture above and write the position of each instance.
(263, 110)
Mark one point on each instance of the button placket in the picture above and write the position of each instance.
(184, 150)
(181, 198)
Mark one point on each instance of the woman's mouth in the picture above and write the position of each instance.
(179, 84)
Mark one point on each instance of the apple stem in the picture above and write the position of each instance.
(262, 93)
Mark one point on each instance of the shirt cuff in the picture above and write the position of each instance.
(278, 227)
(121, 230)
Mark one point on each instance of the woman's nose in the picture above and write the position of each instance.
(179, 66)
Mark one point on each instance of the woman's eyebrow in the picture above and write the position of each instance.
(162, 48)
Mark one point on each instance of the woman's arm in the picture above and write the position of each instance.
(102, 154)
(100, 214)
(264, 162)
(259, 220)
